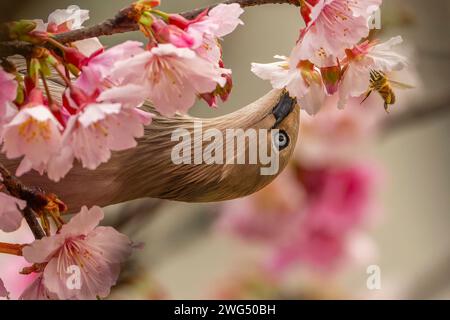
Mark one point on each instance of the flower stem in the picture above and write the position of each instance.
(11, 248)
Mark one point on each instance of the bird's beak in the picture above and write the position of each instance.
(283, 108)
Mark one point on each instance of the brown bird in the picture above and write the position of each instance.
(148, 169)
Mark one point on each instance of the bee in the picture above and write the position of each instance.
(383, 85)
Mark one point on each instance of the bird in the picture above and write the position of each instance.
(148, 170)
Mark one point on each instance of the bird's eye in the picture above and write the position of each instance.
(280, 139)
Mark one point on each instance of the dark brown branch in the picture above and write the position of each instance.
(30, 218)
(122, 22)
(34, 197)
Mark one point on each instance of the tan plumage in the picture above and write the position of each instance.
(148, 171)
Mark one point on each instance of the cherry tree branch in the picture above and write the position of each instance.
(34, 197)
(124, 21)
(420, 112)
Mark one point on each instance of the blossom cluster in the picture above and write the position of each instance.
(100, 111)
(80, 261)
(334, 55)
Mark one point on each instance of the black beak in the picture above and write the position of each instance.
(283, 108)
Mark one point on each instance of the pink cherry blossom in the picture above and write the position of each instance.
(72, 18)
(37, 291)
(336, 136)
(333, 26)
(309, 215)
(3, 292)
(267, 215)
(10, 216)
(167, 33)
(364, 58)
(220, 21)
(303, 81)
(104, 127)
(8, 92)
(99, 67)
(173, 77)
(63, 20)
(96, 251)
(339, 198)
(33, 133)
(11, 265)
(226, 17)
(316, 248)
(9, 112)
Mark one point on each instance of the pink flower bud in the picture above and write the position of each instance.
(75, 57)
(331, 77)
(172, 34)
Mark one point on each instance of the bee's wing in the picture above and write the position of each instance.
(400, 85)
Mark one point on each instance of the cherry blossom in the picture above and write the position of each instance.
(173, 76)
(10, 216)
(364, 58)
(34, 133)
(336, 136)
(37, 291)
(72, 18)
(96, 251)
(98, 68)
(308, 215)
(303, 81)
(8, 92)
(332, 26)
(111, 122)
(102, 128)
(3, 292)
(220, 21)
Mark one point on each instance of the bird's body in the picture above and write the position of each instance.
(149, 171)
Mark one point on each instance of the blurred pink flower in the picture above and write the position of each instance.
(3, 292)
(96, 251)
(267, 215)
(173, 77)
(334, 136)
(15, 282)
(37, 291)
(9, 91)
(10, 216)
(307, 215)
(339, 199)
(314, 247)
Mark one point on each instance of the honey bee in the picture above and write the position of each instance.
(383, 85)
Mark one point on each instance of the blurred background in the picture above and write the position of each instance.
(209, 251)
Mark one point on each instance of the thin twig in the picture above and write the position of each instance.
(122, 22)
(34, 197)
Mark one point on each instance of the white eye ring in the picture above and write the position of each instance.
(280, 140)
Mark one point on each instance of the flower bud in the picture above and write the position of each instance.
(172, 34)
(331, 77)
